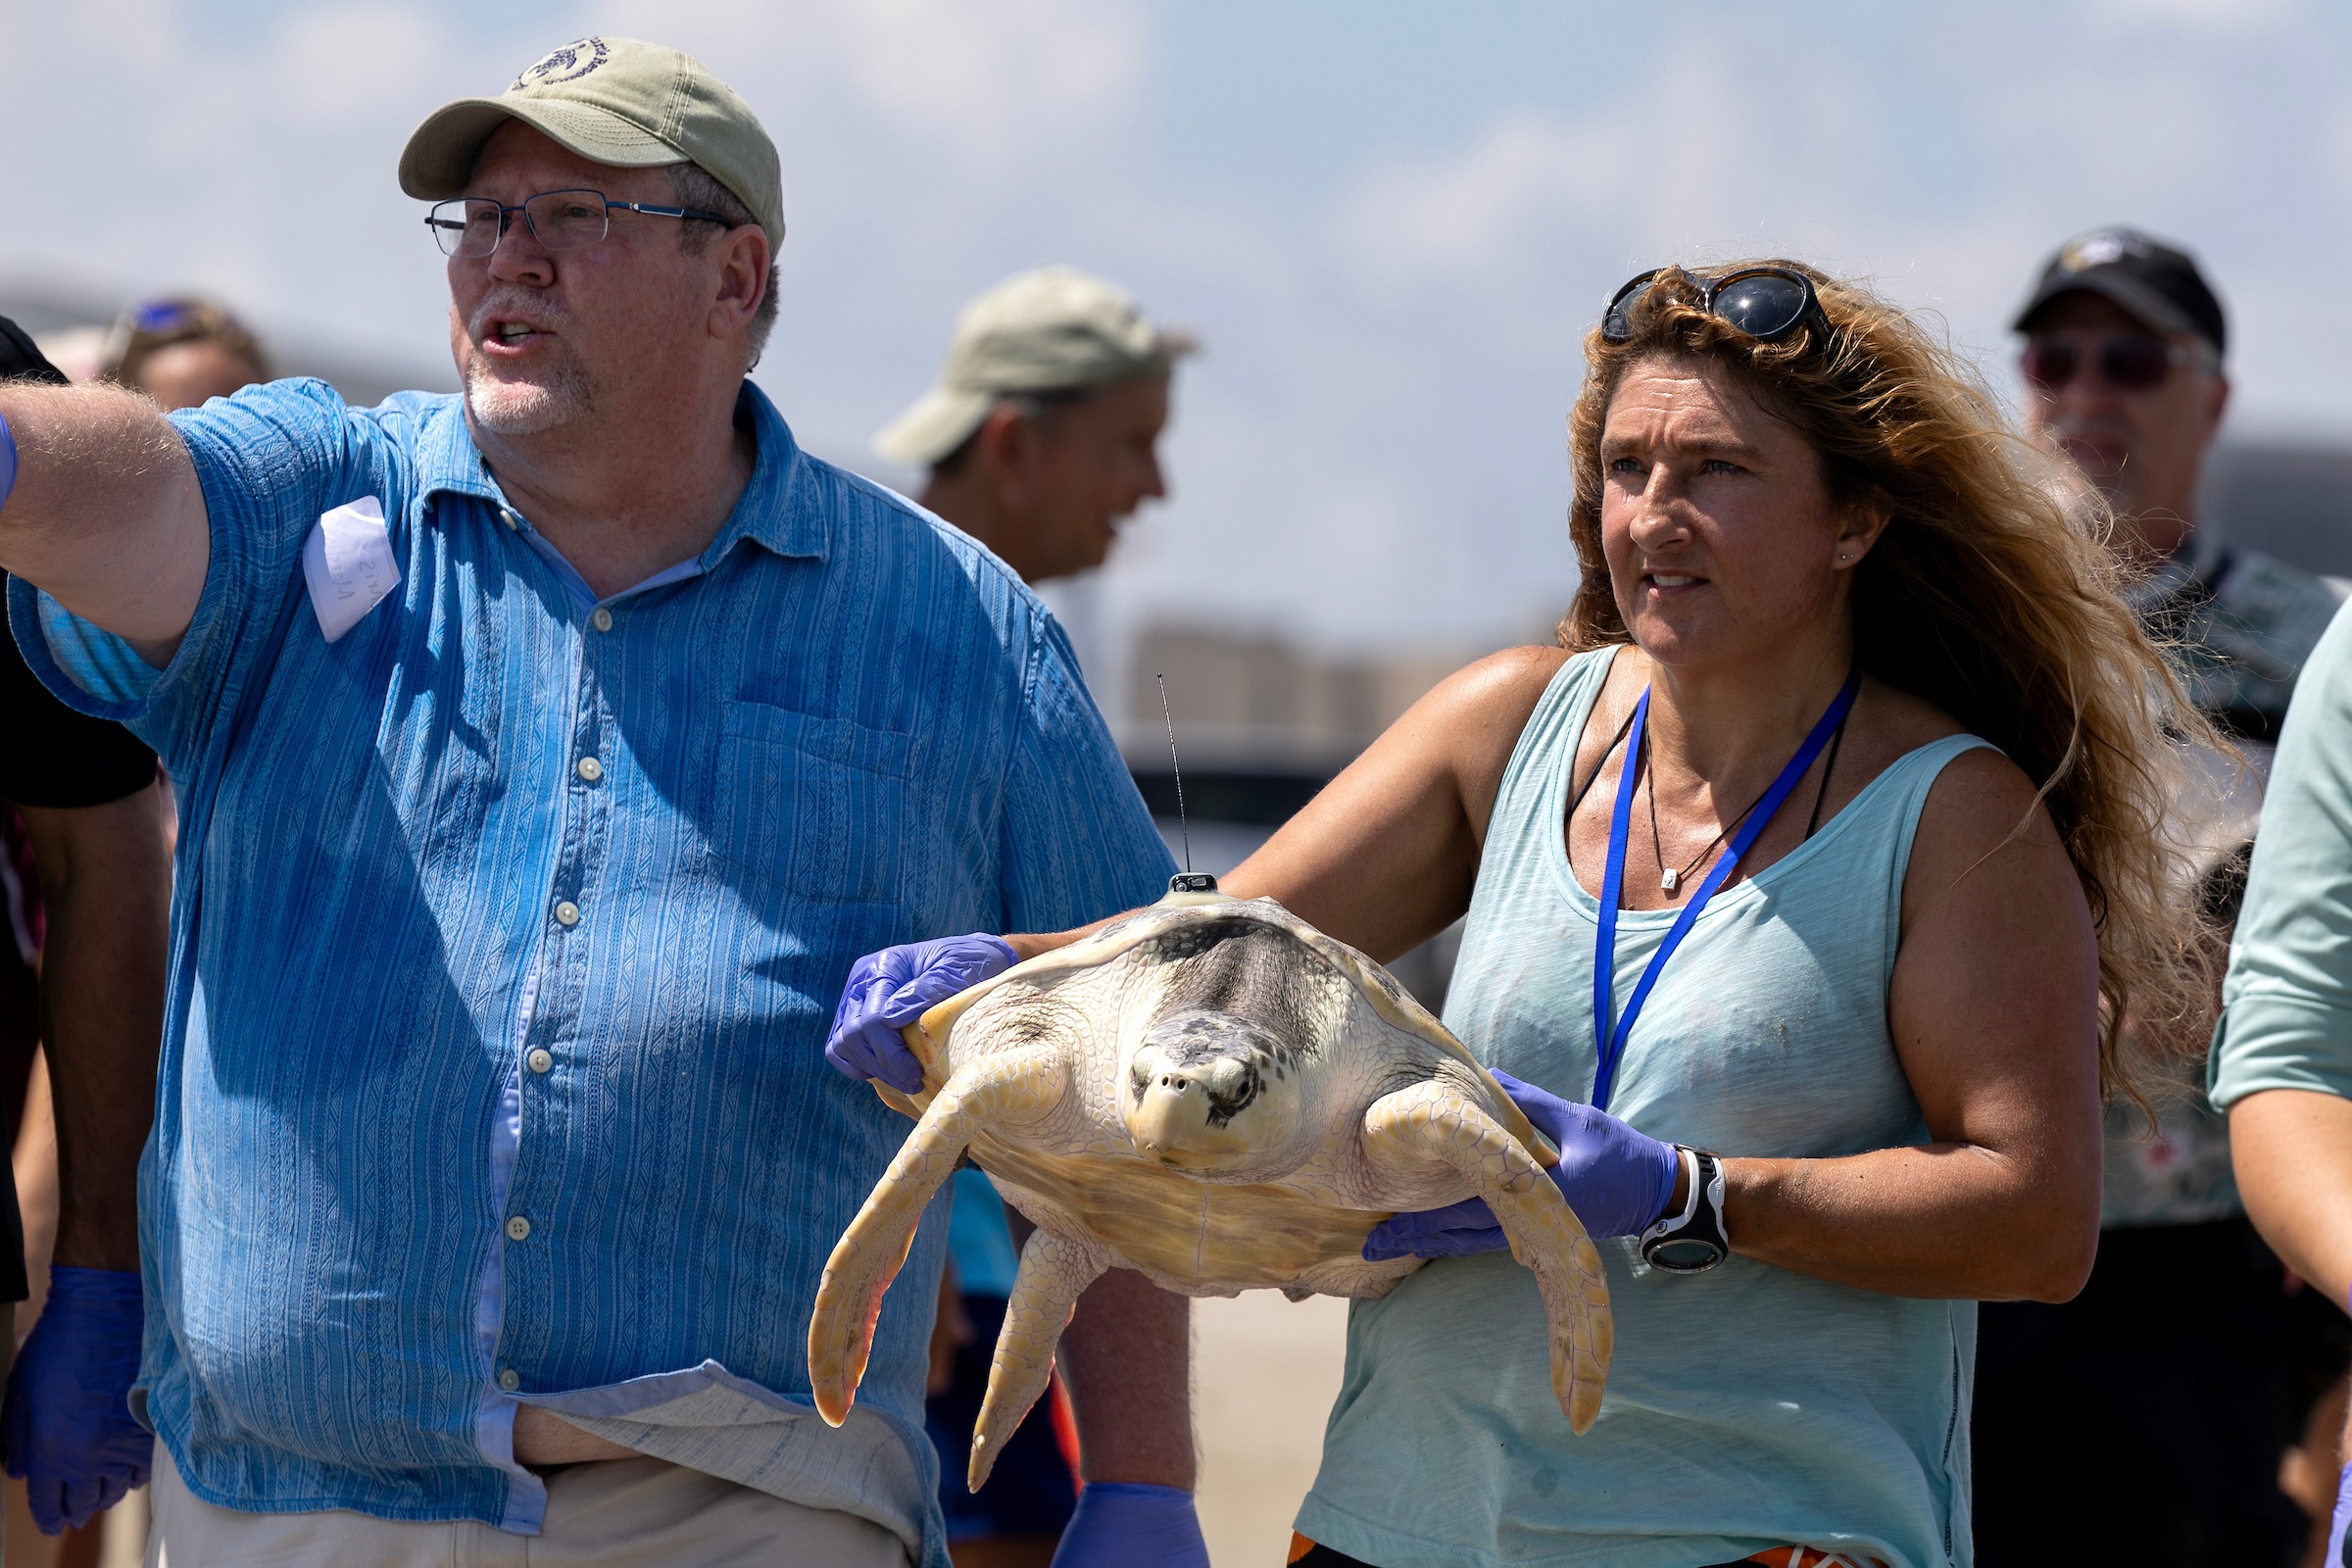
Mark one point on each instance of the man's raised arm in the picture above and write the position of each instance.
(103, 511)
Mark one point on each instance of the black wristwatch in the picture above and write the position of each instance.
(1694, 1241)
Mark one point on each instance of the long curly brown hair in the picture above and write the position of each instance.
(1991, 594)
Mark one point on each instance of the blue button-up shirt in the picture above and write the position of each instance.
(489, 1075)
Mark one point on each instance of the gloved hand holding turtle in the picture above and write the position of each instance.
(889, 990)
(1619, 1182)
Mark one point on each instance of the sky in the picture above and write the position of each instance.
(1391, 224)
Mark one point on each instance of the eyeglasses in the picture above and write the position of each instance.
(2130, 362)
(1766, 303)
(559, 219)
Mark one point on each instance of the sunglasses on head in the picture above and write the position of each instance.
(1765, 303)
(2132, 362)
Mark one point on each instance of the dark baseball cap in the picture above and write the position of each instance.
(22, 359)
(2158, 283)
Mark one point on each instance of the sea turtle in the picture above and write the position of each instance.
(1218, 1095)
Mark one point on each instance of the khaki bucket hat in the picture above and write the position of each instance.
(615, 101)
(1055, 329)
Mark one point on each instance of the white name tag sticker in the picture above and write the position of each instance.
(347, 564)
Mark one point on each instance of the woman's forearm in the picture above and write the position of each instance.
(1944, 1220)
(1033, 944)
(2293, 1152)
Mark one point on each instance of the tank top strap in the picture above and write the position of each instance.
(1889, 808)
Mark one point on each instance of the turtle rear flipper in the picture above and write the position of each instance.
(1433, 1122)
(1014, 1086)
(1055, 1270)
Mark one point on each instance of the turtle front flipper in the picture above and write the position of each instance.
(1054, 1269)
(1016, 1086)
(1435, 1123)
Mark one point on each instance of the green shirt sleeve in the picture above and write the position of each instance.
(2286, 1020)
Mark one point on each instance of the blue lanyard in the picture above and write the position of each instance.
(1611, 1042)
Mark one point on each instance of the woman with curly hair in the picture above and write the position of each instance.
(1806, 883)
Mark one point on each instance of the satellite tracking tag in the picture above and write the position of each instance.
(1186, 880)
(347, 564)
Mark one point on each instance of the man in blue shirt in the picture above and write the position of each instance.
(545, 756)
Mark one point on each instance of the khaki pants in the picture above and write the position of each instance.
(614, 1513)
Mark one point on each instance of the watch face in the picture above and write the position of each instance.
(1684, 1255)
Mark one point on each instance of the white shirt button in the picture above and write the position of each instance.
(510, 1380)
(591, 770)
(540, 1060)
(568, 913)
(518, 1229)
(602, 620)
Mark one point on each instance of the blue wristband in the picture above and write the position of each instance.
(7, 461)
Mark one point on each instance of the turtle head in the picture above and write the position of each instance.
(1208, 1091)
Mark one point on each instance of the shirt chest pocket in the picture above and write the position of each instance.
(816, 805)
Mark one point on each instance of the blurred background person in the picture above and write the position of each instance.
(1040, 437)
(86, 825)
(182, 353)
(1043, 433)
(2163, 1388)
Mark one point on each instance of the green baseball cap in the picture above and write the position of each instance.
(615, 101)
(1055, 329)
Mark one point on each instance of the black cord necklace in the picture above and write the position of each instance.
(1669, 877)
(1578, 799)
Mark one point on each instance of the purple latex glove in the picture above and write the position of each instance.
(70, 1436)
(1131, 1525)
(1617, 1180)
(2343, 1516)
(891, 989)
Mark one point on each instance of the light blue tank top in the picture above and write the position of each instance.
(1749, 1406)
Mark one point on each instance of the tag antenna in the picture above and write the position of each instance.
(1183, 826)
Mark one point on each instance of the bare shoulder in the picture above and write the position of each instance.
(1979, 799)
(1481, 704)
(1473, 718)
(1501, 688)
(1980, 810)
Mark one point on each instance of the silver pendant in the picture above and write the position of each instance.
(1668, 879)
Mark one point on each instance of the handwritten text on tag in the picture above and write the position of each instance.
(347, 564)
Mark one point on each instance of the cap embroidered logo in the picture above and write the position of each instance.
(2101, 248)
(567, 64)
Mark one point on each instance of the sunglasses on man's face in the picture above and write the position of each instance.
(2130, 362)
